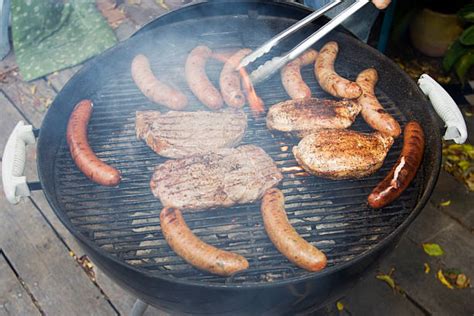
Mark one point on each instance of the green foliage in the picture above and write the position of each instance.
(460, 54)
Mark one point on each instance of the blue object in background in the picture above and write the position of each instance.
(4, 19)
(359, 24)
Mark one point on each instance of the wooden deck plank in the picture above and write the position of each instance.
(31, 98)
(14, 299)
(57, 80)
(408, 260)
(10, 117)
(53, 277)
(461, 208)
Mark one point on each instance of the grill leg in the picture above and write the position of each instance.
(138, 308)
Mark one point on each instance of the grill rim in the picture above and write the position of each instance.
(427, 185)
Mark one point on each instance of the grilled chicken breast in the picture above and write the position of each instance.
(342, 154)
(305, 116)
(223, 177)
(178, 134)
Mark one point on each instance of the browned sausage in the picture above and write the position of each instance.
(284, 236)
(82, 154)
(193, 250)
(404, 170)
(198, 81)
(291, 76)
(229, 81)
(372, 111)
(327, 77)
(155, 90)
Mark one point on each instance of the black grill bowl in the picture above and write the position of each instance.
(119, 227)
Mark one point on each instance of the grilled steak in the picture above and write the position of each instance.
(223, 177)
(304, 116)
(182, 134)
(342, 154)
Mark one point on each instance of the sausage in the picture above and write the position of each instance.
(291, 75)
(404, 170)
(229, 81)
(255, 102)
(372, 111)
(155, 90)
(193, 250)
(82, 154)
(198, 81)
(284, 236)
(327, 77)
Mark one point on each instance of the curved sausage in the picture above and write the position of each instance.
(82, 154)
(404, 170)
(193, 250)
(372, 111)
(155, 90)
(291, 75)
(229, 80)
(284, 236)
(198, 81)
(327, 77)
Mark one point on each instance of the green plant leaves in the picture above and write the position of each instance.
(467, 37)
(464, 64)
(467, 13)
(455, 51)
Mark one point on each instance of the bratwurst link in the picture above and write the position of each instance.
(372, 111)
(193, 250)
(229, 80)
(291, 75)
(285, 238)
(82, 154)
(404, 170)
(327, 77)
(155, 90)
(199, 83)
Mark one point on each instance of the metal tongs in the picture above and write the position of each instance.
(273, 65)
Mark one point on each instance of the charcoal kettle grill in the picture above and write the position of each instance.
(119, 228)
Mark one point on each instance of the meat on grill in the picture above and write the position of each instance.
(224, 177)
(182, 134)
(304, 116)
(342, 154)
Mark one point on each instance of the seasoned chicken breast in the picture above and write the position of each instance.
(342, 154)
(304, 116)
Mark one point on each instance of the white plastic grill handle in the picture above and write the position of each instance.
(446, 108)
(13, 162)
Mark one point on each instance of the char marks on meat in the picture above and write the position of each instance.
(304, 116)
(224, 177)
(182, 134)
(342, 154)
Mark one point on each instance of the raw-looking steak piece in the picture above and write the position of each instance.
(223, 177)
(178, 134)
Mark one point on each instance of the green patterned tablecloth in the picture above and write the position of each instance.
(50, 35)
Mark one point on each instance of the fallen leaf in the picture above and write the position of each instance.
(427, 268)
(387, 279)
(33, 89)
(443, 280)
(162, 4)
(340, 306)
(111, 13)
(445, 203)
(433, 250)
(462, 281)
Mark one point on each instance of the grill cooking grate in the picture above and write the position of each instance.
(124, 221)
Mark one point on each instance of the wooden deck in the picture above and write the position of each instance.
(39, 273)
